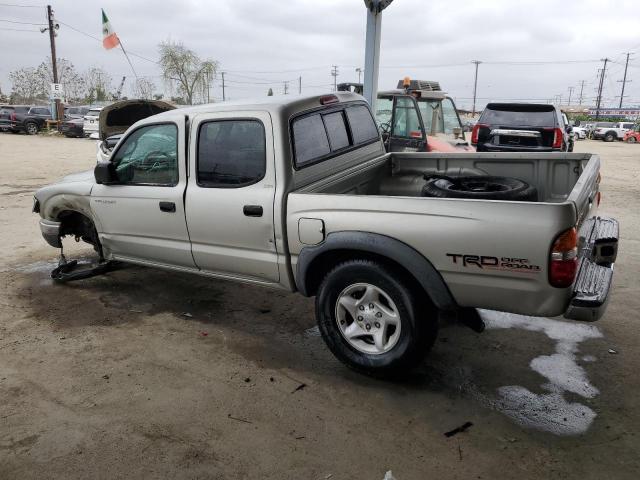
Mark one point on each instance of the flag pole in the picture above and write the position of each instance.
(128, 60)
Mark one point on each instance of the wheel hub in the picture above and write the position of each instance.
(368, 318)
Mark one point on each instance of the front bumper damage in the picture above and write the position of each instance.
(598, 252)
(51, 232)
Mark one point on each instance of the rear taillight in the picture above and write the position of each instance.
(563, 260)
(13, 116)
(476, 132)
(557, 138)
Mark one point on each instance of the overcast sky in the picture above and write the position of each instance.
(262, 44)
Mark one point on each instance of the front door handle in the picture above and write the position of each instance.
(167, 206)
(252, 210)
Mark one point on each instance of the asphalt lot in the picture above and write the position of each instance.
(149, 374)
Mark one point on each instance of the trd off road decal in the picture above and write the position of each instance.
(508, 264)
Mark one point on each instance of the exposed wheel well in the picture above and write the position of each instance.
(325, 262)
(81, 227)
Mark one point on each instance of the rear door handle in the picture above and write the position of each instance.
(167, 206)
(252, 210)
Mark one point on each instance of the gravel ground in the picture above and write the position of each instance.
(149, 374)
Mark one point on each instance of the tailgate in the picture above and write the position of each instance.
(585, 194)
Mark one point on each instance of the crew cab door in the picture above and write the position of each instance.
(229, 201)
(141, 216)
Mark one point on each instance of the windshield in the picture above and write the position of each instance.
(384, 110)
(439, 116)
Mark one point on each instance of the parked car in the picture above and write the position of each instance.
(5, 115)
(21, 118)
(72, 127)
(91, 122)
(76, 112)
(579, 133)
(522, 127)
(632, 136)
(612, 131)
(299, 194)
(119, 116)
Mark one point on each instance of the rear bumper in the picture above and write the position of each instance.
(599, 237)
(51, 232)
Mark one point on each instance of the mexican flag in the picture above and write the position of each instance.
(109, 37)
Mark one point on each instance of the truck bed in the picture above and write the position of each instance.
(401, 174)
(384, 195)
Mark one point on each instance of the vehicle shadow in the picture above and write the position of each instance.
(276, 330)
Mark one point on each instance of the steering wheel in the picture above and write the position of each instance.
(385, 127)
(154, 159)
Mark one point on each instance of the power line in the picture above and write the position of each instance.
(21, 6)
(21, 23)
(19, 30)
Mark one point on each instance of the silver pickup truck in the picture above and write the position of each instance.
(299, 194)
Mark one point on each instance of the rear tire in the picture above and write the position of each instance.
(610, 137)
(372, 320)
(31, 128)
(631, 140)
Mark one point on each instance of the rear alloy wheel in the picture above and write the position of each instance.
(31, 128)
(371, 319)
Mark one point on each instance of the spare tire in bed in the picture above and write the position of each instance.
(482, 187)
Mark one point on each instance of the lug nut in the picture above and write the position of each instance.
(379, 314)
(360, 318)
(341, 322)
(371, 305)
(361, 307)
(377, 324)
(368, 326)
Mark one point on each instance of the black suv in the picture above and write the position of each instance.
(522, 127)
(19, 118)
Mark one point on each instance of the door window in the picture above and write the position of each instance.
(384, 110)
(406, 122)
(449, 116)
(363, 128)
(149, 156)
(231, 153)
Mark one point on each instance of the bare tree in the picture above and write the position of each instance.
(98, 84)
(144, 88)
(26, 85)
(73, 85)
(183, 70)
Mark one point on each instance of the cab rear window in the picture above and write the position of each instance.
(322, 135)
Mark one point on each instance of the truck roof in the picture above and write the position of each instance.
(288, 105)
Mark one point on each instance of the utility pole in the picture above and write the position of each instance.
(286, 88)
(624, 80)
(54, 61)
(334, 74)
(475, 86)
(223, 95)
(359, 70)
(571, 89)
(599, 100)
(581, 88)
(300, 85)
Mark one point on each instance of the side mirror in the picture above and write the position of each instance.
(569, 129)
(105, 173)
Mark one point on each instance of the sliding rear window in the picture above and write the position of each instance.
(526, 116)
(324, 134)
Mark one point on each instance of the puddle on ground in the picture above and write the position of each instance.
(35, 267)
(550, 411)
